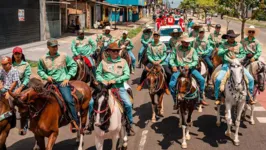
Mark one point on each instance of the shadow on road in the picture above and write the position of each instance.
(144, 113)
(168, 127)
(207, 125)
(27, 143)
(107, 145)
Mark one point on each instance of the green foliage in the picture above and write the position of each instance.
(133, 32)
(32, 63)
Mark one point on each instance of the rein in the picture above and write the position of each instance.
(158, 87)
(7, 114)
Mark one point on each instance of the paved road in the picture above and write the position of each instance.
(164, 134)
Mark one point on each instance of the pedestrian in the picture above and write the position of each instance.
(195, 32)
(77, 22)
(190, 25)
(209, 23)
(146, 39)
(105, 37)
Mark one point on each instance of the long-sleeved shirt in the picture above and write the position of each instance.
(215, 39)
(146, 39)
(202, 47)
(190, 24)
(184, 56)
(173, 41)
(85, 47)
(105, 37)
(8, 78)
(60, 67)
(156, 52)
(24, 70)
(122, 41)
(226, 54)
(110, 69)
(252, 47)
(194, 33)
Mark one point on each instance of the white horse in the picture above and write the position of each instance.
(235, 94)
(108, 122)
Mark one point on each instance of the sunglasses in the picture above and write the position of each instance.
(251, 31)
(115, 51)
(218, 28)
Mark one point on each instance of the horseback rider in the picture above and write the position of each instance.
(215, 38)
(156, 53)
(186, 56)
(195, 32)
(190, 25)
(106, 37)
(129, 47)
(58, 68)
(203, 48)
(175, 37)
(146, 38)
(230, 50)
(24, 69)
(114, 71)
(251, 45)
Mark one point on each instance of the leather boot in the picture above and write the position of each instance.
(202, 97)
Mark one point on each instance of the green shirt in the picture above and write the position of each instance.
(252, 47)
(194, 33)
(157, 52)
(60, 67)
(215, 39)
(85, 47)
(190, 24)
(146, 39)
(105, 37)
(202, 47)
(173, 41)
(24, 70)
(226, 54)
(129, 46)
(117, 70)
(183, 57)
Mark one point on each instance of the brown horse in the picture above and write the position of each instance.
(144, 59)
(83, 72)
(187, 97)
(46, 114)
(125, 55)
(5, 121)
(216, 60)
(157, 86)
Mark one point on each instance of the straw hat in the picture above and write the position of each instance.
(252, 28)
(187, 39)
(176, 31)
(108, 28)
(196, 25)
(113, 46)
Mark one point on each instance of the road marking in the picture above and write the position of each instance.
(262, 119)
(258, 108)
(143, 139)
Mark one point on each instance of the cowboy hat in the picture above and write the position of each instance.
(156, 33)
(125, 32)
(176, 31)
(187, 39)
(196, 25)
(113, 46)
(148, 27)
(252, 28)
(108, 28)
(230, 33)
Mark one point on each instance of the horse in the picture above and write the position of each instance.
(7, 121)
(235, 94)
(157, 82)
(124, 54)
(110, 121)
(257, 69)
(216, 60)
(187, 97)
(83, 72)
(144, 59)
(47, 115)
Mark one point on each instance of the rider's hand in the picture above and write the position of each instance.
(231, 48)
(155, 63)
(252, 59)
(112, 82)
(7, 95)
(233, 57)
(79, 56)
(174, 69)
(65, 83)
(105, 82)
(250, 55)
(18, 91)
(50, 79)
(186, 67)
(123, 47)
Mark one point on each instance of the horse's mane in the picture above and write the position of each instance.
(38, 86)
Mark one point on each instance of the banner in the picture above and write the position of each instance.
(21, 15)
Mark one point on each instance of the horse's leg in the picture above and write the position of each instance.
(115, 138)
(99, 143)
(252, 115)
(161, 110)
(3, 137)
(80, 133)
(153, 118)
(51, 140)
(200, 108)
(228, 117)
(184, 142)
(239, 112)
(189, 122)
(218, 121)
(40, 143)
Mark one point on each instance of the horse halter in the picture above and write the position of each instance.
(157, 84)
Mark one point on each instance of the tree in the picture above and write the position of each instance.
(206, 6)
(188, 4)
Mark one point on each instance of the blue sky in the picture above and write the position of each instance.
(176, 3)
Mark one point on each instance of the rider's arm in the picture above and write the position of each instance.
(71, 66)
(258, 51)
(145, 43)
(164, 53)
(222, 50)
(41, 70)
(26, 76)
(99, 73)
(74, 48)
(125, 76)
(130, 46)
(208, 49)
(99, 37)
(211, 40)
(149, 54)
(173, 61)
(195, 60)
(93, 44)
(241, 53)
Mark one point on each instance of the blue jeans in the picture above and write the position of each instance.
(175, 76)
(66, 93)
(221, 75)
(141, 52)
(127, 104)
(133, 59)
(209, 63)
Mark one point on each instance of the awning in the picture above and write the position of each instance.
(56, 2)
(104, 3)
(72, 11)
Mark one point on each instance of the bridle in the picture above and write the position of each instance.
(160, 78)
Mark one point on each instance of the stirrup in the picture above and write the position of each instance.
(217, 102)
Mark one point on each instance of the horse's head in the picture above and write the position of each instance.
(261, 75)
(236, 73)
(153, 78)
(183, 87)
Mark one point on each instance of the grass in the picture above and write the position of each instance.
(32, 63)
(252, 22)
(134, 32)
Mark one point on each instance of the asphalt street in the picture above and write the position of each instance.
(165, 133)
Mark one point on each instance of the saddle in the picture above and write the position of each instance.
(85, 60)
(117, 98)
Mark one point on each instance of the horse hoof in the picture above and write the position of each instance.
(188, 137)
(80, 148)
(36, 148)
(161, 114)
(153, 120)
(236, 143)
(218, 124)
(228, 134)
(252, 122)
(184, 146)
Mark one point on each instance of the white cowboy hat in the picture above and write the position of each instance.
(125, 32)
(252, 28)
(176, 31)
(187, 39)
(108, 28)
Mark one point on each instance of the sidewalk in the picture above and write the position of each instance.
(33, 51)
